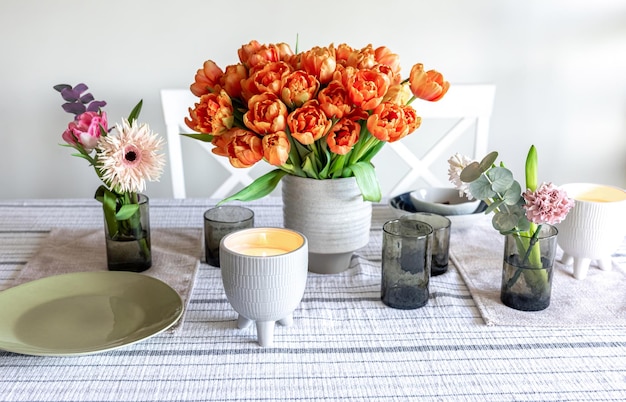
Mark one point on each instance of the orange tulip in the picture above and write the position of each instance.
(213, 114)
(411, 117)
(366, 88)
(308, 123)
(255, 55)
(298, 87)
(398, 94)
(427, 85)
(245, 148)
(383, 55)
(284, 51)
(334, 100)
(231, 80)
(207, 79)
(266, 114)
(364, 58)
(342, 137)
(343, 53)
(221, 143)
(245, 51)
(266, 79)
(320, 62)
(276, 148)
(388, 122)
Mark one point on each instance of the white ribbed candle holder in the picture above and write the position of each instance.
(594, 228)
(264, 272)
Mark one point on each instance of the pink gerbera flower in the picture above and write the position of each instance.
(548, 204)
(130, 158)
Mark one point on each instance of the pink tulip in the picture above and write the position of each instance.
(85, 130)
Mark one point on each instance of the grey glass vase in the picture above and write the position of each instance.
(128, 245)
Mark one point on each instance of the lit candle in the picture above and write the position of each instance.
(263, 242)
(259, 251)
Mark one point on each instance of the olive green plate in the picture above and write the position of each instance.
(85, 312)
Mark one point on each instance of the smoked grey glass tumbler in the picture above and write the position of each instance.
(220, 221)
(406, 263)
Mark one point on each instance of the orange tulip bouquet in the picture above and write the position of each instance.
(322, 113)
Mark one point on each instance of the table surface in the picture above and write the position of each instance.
(344, 344)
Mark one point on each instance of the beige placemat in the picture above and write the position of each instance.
(599, 299)
(176, 257)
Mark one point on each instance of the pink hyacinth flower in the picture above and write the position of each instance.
(85, 130)
(548, 204)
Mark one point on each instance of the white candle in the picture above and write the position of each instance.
(260, 251)
(263, 242)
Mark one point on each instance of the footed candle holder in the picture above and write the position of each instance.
(264, 272)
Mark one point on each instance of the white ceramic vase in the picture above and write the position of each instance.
(332, 215)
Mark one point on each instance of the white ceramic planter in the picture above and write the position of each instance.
(264, 272)
(594, 228)
(333, 217)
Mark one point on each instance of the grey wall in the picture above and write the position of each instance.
(559, 67)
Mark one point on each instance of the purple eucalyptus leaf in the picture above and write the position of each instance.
(70, 95)
(85, 99)
(74, 108)
(61, 87)
(80, 88)
(96, 106)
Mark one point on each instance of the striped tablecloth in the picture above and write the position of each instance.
(344, 344)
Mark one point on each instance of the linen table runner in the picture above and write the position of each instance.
(176, 257)
(598, 300)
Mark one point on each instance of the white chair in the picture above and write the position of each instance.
(176, 103)
(471, 107)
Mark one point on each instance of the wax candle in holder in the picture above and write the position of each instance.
(264, 272)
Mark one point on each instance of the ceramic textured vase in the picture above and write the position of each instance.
(128, 241)
(332, 215)
(527, 270)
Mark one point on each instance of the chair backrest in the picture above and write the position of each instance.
(469, 105)
(176, 104)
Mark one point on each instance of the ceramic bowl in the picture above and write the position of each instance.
(442, 201)
(403, 205)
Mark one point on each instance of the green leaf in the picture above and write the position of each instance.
(512, 195)
(373, 151)
(134, 114)
(326, 170)
(365, 175)
(487, 162)
(481, 188)
(258, 188)
(86, 157)
(510, 219)
(126, 211)
(200, 137)
(504, 222)
(309, 166)
(501, 179)
(109, 205)
(471, 172)
(493, 206)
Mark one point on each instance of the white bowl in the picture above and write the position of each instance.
(442, 201)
